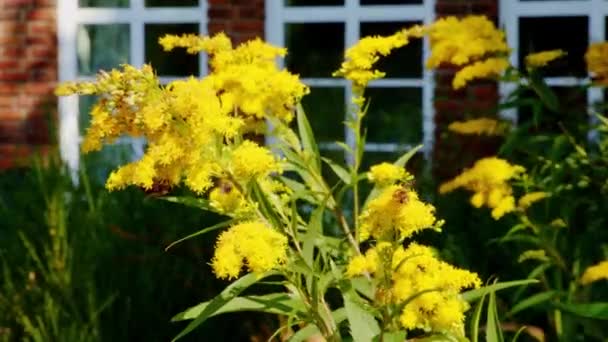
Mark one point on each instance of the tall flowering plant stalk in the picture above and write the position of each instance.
(278, 206)
(549, 180)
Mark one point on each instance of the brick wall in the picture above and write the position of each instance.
(477, 99)
(28, 73)
(242, 20)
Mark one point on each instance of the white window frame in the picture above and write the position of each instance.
(511, 10)
(351, 14)
(70, 16)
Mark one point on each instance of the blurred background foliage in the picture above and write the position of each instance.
(78, 263)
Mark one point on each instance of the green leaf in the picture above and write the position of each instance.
(304, 333)
(306, 135)
(393, 336)
(309, 330)
(363, 324)
(189, 201)
(265, 205)
(597, 310)
(532, 300)
(338, 170)
(493, 331)
(475, 319)
(200, 232)
(228, 294)
(472, 295)
(275, 303)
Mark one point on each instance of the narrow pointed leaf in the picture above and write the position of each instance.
(532, 301)
(363, 324)
(306, 135)
(201, 232)
(598, 310)
(275, 303)
(228, 294)
(189, 201)
(472, 295)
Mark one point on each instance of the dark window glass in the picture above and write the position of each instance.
(314, 2)
(171, 3)
(103, 3)
(567, 33)
(324, 108)
(403, 62)
(173, 63)
(391, 2)
(314, 50)
(102, 47)
(394, 115)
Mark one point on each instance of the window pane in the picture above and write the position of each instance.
(324, 108)
(391, 2)
(314, 50)
(403, 62)
(314, 2)
(103, 3)
(566, 33)
(173, 63)
(171, 3)
(102, 47)
(394, 115)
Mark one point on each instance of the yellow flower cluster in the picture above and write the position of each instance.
(541, 59)
(386, 174)
(528, 199)
(251, 244)
(361, 57)
(482, 126)
(427, 286)
(491, 67)
(595, 273)
(228, 200)
(488, 179)
(473, 43)
(597, 62)
(195, 129)
(397, 213)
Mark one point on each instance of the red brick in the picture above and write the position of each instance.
(13, 76)
(41, 14)
(249, 26)
(17, 3)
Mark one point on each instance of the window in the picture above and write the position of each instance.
(316, 34)
(571, 25)
(102, 34)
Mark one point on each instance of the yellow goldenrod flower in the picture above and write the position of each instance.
(597, 62)
(361, 264)
(250, 160)
(530, 198)
(487, 68)
(432, 288)
(541, 59)
(226, 199)
(386, 174)
(251, 244)
(488, 180)
(396, 213)
(595, 273)
(481, 126)
(463, 41)
(361, 57)
(193, 127)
